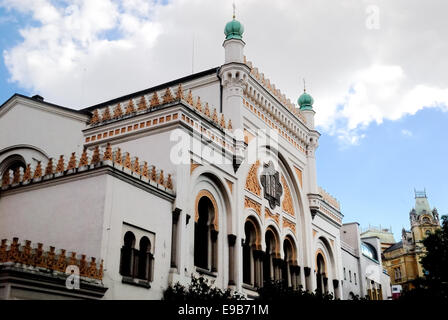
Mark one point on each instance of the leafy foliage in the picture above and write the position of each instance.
(199, 289)
(434, 286)
(279, 291)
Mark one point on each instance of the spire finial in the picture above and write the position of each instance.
(234, 8)
(304, 85)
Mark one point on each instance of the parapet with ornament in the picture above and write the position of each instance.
(132, 167)
(38, 258)
(154, 101)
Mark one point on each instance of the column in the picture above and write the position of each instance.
(176, 214)
(231, 238)
(214, 237)
(308, 281)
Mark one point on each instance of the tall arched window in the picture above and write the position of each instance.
(252, 258)
(287, 266)
(320, 275)
(269, 268)
(205, 236)
(127, 255)
(145, 260)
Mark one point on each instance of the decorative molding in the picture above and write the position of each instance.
(289, 224)
(130, 167)
(268, 214)
(207, 194)
(38, 258)
(299, 176)
(314, 233)
(252, 184)
(193, 165)
(287, 204)
(230, 184)
(249, 203)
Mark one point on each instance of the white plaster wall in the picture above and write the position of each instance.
(67, 215)
(46, 130)
(126, 203)
(350, 263)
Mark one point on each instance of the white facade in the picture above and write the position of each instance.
(217, 187)
(363, 273)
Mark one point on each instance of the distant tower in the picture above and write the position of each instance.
(423, 220)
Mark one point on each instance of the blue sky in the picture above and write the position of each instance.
(370, 87)
(375, 180)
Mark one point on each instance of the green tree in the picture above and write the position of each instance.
(279, 291)
(199, 289)
(434, 286)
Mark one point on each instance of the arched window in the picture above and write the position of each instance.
(320, 274)
(12, 163)
(269, 256)
(205, 236)
(127, 267)
(287, 272)
(252, 258)
(145, 260)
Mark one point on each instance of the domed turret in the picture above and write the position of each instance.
(234, 30)
(305, 101)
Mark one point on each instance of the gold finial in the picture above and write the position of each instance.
(16, 177)
(179, 92)
(127, 161)
(155, 100)
(142, 104)
(49, 168)
(161, 179)
(6, 178)
(60, 166)
(118, 159)
(153, 173)
(190, 98)
(130, 108)
(83, 161)
(108, 153)
(27, 174)
(136, 166)
(118, 112)
(145, 170)
(168, 96)
(96, 156)
(106, 114)
(95, 117)
(38, 171)
(169, 182)
(72, 162)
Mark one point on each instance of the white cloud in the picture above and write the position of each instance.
(82, 52)
(406, 133)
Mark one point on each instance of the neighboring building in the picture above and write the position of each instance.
(363, 273)
(385, 235)
(402, 260)
(118, 182)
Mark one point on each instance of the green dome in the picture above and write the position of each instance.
(234, 30)
(305, 101)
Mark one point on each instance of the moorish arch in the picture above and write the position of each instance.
(292, 199)
(251, 251)
(324, 265)
(213, 225)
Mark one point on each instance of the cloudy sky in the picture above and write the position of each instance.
(377, 70)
